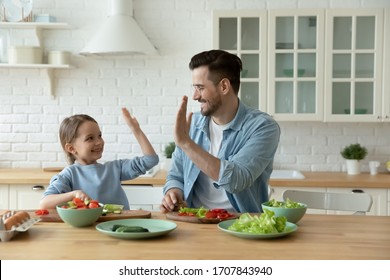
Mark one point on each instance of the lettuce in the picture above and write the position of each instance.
(263, 224)
(198, 212)
(284, 204)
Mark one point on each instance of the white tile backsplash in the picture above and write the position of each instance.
(151, 86)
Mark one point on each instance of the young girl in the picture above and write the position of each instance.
(85, 178)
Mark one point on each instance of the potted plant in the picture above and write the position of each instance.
(169, 148)
(168, 151)
(353, 154)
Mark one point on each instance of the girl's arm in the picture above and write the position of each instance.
(52, 200)
(143, 141)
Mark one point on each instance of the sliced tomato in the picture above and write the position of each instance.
(41, 212)
(223, 216)
(219, 210)
(211, 215)
(93, 205)
(77, 200)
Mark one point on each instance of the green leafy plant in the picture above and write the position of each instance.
(354, 151)
(168, 150)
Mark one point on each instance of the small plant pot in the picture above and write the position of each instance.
(167, 164)
(353, 166)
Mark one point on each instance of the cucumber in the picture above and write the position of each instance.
(123, 228)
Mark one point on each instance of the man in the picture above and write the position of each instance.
(224, 154)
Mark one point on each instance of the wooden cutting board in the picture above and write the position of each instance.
(125, 214)
(191, 219)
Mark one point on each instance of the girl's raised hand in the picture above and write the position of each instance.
(129, 119)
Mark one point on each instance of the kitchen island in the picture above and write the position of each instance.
(319, 237)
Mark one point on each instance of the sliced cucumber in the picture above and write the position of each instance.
(124, 228)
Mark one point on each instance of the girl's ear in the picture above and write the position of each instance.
(69, 148)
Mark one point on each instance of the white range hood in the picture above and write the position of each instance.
(119, 35)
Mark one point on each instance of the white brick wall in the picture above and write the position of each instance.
(151, 86)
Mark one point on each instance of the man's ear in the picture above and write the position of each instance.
(69, 148)
(225, 85)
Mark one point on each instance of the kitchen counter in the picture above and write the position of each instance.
(336, 180)
(37, 176)
(319, 237)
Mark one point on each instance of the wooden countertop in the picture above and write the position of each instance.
(319, 237)
(31, 176)
(37, 176)
(336, 180)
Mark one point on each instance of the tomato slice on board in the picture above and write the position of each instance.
(219, 210)
(41, 212)
(211, 215)
(223, 216)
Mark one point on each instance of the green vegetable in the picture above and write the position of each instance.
(199, 212)
(112, 208)
(265, 223)
(123, 228)
(285, 204)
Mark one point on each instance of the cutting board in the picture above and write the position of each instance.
(125, 214)
(191, 219)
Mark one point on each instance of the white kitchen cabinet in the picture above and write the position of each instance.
(25, 196)
(321, 64)
(38, 28)
(354, 59)
(244, 33)
(146, 197)
(380, 197)
(388, 202)
(295, 64)
(4, 194)
(386, 71)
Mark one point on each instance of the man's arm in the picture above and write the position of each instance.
(206, 162)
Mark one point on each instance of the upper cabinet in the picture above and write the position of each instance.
(245, 34)
(354, 65)
(317, 64)
(295, 64)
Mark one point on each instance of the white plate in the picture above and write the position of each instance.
(155, 227)
(17, 10)
(290, 228)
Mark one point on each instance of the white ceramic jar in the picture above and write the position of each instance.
(58, 57)
(24, 55)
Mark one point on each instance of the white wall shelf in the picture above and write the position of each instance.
(38, 27)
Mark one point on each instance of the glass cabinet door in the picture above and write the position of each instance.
(295, 66)
(244, 33)
(354, 52)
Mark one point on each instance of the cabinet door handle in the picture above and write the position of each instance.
(38, 188)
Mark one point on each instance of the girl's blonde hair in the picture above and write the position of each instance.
(68, 131)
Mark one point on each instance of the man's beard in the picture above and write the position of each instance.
(213, 107)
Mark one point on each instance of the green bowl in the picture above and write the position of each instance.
(293, 215)
(79, 217)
